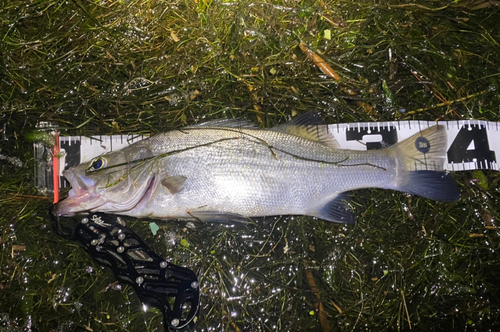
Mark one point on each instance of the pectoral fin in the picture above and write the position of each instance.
(174, 183)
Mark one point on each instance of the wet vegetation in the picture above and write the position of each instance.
(144, 66)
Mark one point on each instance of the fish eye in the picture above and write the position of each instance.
(97, 164)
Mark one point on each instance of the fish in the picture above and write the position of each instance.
(230, 170)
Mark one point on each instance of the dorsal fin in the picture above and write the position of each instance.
(309, 126)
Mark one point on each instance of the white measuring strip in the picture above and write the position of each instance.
(472, 144)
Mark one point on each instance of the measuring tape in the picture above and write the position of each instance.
(472, 145)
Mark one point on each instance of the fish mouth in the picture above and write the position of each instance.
(81, 198)
(77, 205)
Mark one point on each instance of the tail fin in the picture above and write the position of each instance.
(422, 164)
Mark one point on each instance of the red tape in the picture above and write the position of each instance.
(55, 167)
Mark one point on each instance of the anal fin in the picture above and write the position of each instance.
(337, 210)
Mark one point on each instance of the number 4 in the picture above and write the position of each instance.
(459, 151)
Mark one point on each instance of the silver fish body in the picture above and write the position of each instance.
(230, 171)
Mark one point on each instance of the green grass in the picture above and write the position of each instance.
(146, 66)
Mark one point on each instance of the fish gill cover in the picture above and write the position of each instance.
(145, 66)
